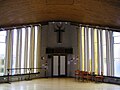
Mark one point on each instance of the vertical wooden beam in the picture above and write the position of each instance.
(32, 43)
(78, 42)
(92, 50)
(20, 50)
(112, 53)
(26, 49)
(107, 52)
(87, 48)
(101, 50)
(98, 51)
(17, 51)
(39, 47)
(80, 46)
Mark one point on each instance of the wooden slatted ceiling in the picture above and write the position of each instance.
(96, 12)
(59, 2)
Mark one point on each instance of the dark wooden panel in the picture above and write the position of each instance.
(95, 12)
(59, 2)
(59, 50)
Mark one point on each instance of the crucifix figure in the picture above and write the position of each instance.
(59, 31)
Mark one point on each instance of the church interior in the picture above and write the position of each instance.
(59, 44)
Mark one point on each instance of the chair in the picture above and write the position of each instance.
(99, 77)
(77, 74)
(92, 76)
(81, 75)
(87, 76)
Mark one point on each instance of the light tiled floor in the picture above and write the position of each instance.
(57, 84)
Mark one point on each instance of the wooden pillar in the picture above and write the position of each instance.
(80, 47)
(32, 42)
(92, 51)
(26, 49)
(101, 50)
(39, 47)
(87, 48)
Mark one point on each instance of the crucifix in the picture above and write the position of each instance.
(59, 31)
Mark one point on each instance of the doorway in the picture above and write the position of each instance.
(59, 66)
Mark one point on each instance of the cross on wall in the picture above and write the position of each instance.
(59, 31)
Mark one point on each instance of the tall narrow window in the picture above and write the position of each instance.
(83, 48)
(96, 51)
(99, 51)
(2, 51)
(116, 36)
(90, 58)
(23, 50)
(28, 59)
(35, 48)
(104, 52)
(14, 49)
(19, 47)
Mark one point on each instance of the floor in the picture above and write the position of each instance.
(57, 84)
